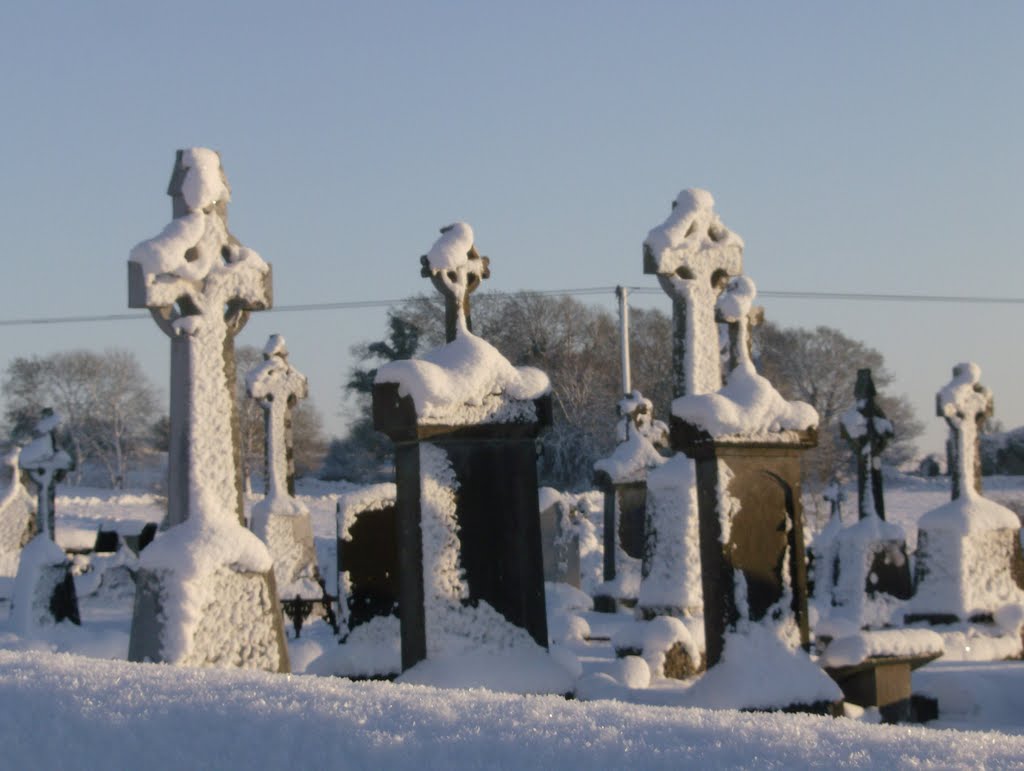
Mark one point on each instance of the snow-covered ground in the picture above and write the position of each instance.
(71, 699)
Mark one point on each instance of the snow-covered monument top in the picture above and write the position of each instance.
(200, 283)
(694, 254)
(467, 381)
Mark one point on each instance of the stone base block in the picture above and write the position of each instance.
(884, 682)
(289, 538)
(237, 621)
(964, 577)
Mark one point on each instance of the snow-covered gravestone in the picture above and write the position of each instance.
(464, 421)
(967, 550)
(206, 592)
(17, 516)
(622, 477)
(694, 254)
(746, 442)
(560, 539)
(871, 574)
(44, 591)
(280, 520)
(368, 586)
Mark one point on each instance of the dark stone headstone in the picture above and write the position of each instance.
(368, 554)
(466, 477)
(768, 526)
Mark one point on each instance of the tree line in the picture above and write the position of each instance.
(577, 345)
(114, 417)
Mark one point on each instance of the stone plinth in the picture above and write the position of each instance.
(751, 528)
(491, 479)
(884, 683)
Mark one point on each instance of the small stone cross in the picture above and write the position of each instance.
(693, 254)
(835, 496)
(965, 404)
(46, 465)
(199, 283)
(455, 268)
(735, 308)
(278, 387)
(868, 432)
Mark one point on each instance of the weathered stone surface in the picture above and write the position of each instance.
(200, 284)
(751, 519)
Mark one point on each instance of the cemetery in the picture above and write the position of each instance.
(688, 580)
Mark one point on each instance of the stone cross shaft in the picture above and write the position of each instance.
(693, 254)
(199, 283)
(278, 387)
(868, 431)
(965, 404)
(46, 465)
(455, 268)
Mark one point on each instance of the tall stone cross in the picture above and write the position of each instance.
(866, 428)
(455, 268)
(46, 465)
(694, 254)
(277, 386)
(199, 284)
(965, 404)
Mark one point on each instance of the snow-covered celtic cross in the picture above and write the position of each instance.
(868, 431)
(199, 283)
(455, 268)
(278, 387)
(693, 254)
(46, 465)
(205, 590)
(965, 404)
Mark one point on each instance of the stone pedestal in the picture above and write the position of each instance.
(238, 624)
(751, 530)
(884, 682)
(493, 485)
(624, 529)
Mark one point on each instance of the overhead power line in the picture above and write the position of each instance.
(586, 291)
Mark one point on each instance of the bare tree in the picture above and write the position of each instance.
(575, 344)
(107, 402)
(819, 366)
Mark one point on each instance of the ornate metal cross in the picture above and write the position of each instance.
(868, 431)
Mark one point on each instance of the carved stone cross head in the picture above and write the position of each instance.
(455, 268)
(196, 267)
(275, 380)
(636, 413)
(865, 425)
(693, 244)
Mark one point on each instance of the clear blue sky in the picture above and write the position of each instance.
(866, 147)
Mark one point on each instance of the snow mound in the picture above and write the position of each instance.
(467, 381)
